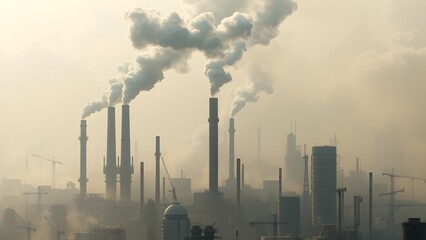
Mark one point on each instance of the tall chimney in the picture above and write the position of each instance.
(83, 153)
(280, 183)
(213, 146)
(370, 206)
(259, 144)
(238, 192)
(142, 190)
(110, 168)
(126, 168)
(157, 169)
(242, 178)
(231, 148)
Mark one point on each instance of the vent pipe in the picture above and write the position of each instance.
(83, 153)
(280, 183)
(231, 148)
(370, 206)
(157, 169)
(238, 192)
(213, 145)
(142, 190)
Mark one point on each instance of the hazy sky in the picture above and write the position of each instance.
(354, 68)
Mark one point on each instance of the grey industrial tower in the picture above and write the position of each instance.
(110, 167)
(126, 167)
(324, 184)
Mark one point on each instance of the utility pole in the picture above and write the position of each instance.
(39, 193)
(392, 193)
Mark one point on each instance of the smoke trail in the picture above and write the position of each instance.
(95, 106)
(111, 96)
(258, 82)
(148, 69)
(214, 69)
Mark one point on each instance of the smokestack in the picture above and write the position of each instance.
(157, 169)
(142, 190)
(259, 145)
(280, 183)
(231, 148)
(238, 192)
(213, 145)
(83, 153)
(126, 168)
(242, 178)
(110, 168)
(370, 206)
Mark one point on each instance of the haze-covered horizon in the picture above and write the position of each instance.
(350, 68)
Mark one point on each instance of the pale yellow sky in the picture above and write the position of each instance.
(352, 68)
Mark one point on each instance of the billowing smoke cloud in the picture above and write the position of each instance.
(148, 69)
(215, 71)
(223, 44)
(259, 81)
(173, 40)
(95, 106)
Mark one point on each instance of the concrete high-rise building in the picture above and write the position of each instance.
(176, 223)
(324, 184)
(293, 163)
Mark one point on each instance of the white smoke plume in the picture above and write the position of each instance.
(223, 44)
(214, 69)
(173, 40)
(95, 106)
(111, 96)
(259, 81)
(148, 69)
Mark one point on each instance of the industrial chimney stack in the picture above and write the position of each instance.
(231, 148)
(157, 169)
(213, 145)
(126, 168)
(83, 153)
(110, 167)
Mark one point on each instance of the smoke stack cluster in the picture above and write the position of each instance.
(110, 167)
(83, 154)
(231, 148)
(213, 145)
(126, 168)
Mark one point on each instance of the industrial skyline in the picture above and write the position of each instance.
(351, 75)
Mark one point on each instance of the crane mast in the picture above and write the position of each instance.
(54, 162)
(171, 183)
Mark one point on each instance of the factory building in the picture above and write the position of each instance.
(176, 223)
(414, 229)
(289, 213)
(323, 185)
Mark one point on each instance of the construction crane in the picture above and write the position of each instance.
(59, 232)
(28, 226)
(392, 193)
(54, 162)
(274, 224)
(39, 193)
(407, 177)
(175, 199)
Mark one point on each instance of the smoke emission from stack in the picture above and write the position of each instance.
(83, 154)
(169, 41)
(259, 81)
